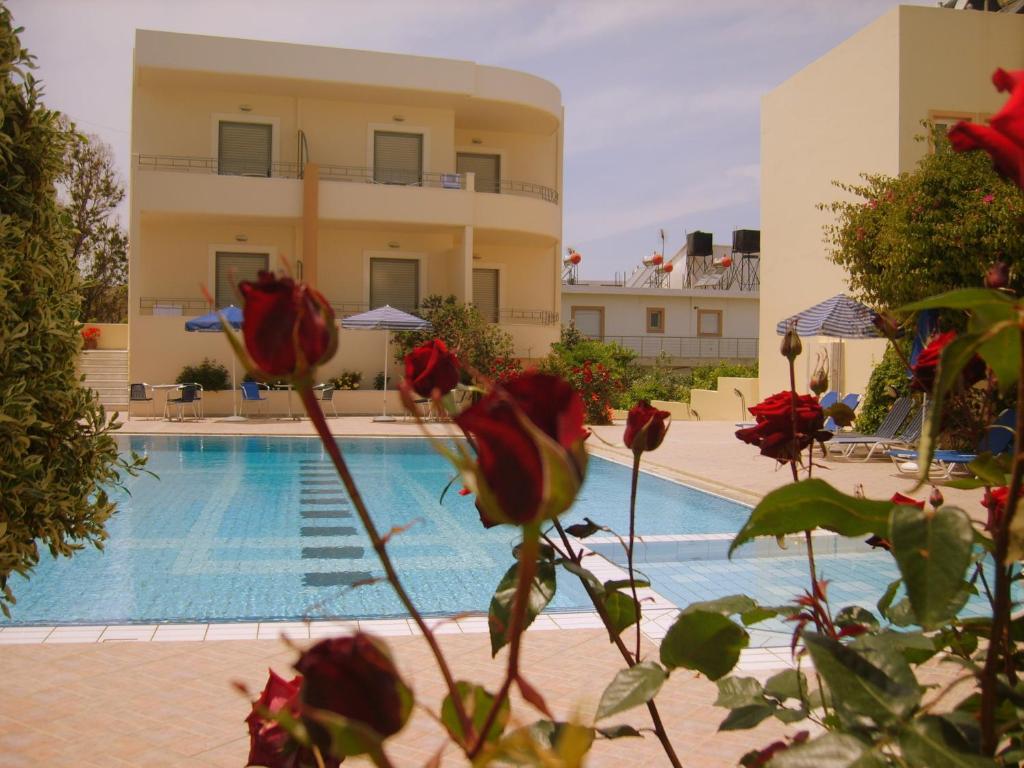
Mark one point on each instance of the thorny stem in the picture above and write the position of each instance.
(1001, 610)
(629, 549)
(528, 554)
(652, 708)
(316, 415)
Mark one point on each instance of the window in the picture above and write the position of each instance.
(655, 319)
(486, 167)
(709, 322)
(589, 321)
(485, 293)
(395, 282)
(244, 149)
(943, 121)
(231, 269)
(397, 157)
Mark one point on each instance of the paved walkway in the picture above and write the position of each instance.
(115, 702)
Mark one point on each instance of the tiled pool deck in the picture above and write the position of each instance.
(158, 695)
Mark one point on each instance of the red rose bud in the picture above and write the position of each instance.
(791, 346)
(998, 275)
(643, 416)
(509, 459)
(935, 499)
(288, 327)
(928, 362)
(269, 743)
(773, 433)
(355, 677)
(431, 367)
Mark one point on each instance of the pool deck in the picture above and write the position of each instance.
(105, 697)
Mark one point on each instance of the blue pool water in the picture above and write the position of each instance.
(255, 528)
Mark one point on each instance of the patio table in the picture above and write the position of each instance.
(166, 389)
(288, 388)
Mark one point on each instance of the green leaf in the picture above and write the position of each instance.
(789, 684)
(541, 591)
(617, 731)
(962, 298)
(584, 575)
(931, 741)
(582, 530)
(726, 606)
(833, 750)
(477, 702)
(736, 692)
(992, 470)
(855, 614)
(742, 718)
(813, 504)
(614, 584)
(706, 642)
(1002, 351)
(631, 688)
(758, 614)
(966, 483)
(622, 611)
(860, 688)
(933, 551)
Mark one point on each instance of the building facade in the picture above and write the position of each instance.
(859, 109)
(379, 178)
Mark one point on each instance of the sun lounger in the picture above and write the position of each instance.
(887, 434)
(998, 438)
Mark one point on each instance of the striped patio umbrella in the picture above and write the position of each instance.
(386, 319)
(839, 317)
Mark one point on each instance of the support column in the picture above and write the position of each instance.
(310, 221)
(464, 269)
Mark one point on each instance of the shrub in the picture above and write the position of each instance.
(889, 380)
(598, 370)
(58, 457)
(210, 375)
(347, 380)
(378, 380)
(706, 377)
(658, 382)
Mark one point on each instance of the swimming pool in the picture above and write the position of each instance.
(259, 528)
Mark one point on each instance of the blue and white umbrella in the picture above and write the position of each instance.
(211, 323)
(387, 319)
(839, 317)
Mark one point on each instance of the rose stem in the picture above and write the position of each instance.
(632, 538)
(312, 406)
(659, 727)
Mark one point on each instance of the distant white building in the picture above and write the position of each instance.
(697, 306)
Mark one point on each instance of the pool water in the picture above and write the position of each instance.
(258, 528)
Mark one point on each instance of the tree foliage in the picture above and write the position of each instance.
(90, 193)
(57, 455)
(924, 232)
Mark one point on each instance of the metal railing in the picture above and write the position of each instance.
(528, 316)
(149, 305)
(345, 173)
(702, 347)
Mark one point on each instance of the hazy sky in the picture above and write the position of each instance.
(661, 98)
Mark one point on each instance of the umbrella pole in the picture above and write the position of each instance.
(234, 392)
(387, 347)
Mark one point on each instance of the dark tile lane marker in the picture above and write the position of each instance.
(332, 553)
(335, 579)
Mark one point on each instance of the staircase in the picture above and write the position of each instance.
(106, 373)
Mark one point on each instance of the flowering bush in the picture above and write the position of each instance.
(91, 333)
(596, 386)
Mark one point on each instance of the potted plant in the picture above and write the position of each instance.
(90, 337)
(347, 380)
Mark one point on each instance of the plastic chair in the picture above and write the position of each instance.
(187, 397)
(326, 392)
(139, 393)
(251, 393)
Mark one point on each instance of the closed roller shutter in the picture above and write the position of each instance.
(244, 149)
(486, 167)
(589, 322)
(485, 293)
(233, 268)
(397, 158)
(395, 282)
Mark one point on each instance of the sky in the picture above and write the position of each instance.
(662, 97)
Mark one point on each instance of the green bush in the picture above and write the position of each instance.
(210, 375)
(658, 382)
(57, 454)
(706, 377)
(599, 371)
(889, 380)
(378, 380)
(347, 380)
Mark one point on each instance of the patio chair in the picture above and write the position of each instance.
(885, 436)
(252, 393)
(326, 392)
(139, 393)
(998, 438)
(186, 396)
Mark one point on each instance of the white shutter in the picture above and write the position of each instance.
(588, 322)
(395, 282)
(485, 293)
(233, 268)
(397, 157)
(486, 167)
(244, 149)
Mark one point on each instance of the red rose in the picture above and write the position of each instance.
(289, 327)
(899, 498)
(995, 503)
(431, 366)
(644, 415)
(508, 455)
(773, 433)
(269, 743)
(928, 362)
(354, 677)
(1003, 138)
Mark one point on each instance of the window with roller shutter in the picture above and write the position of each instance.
(485, 293)
(486, 167)
(395, 282)
(244, 149)
(397, 157)
(231, 269)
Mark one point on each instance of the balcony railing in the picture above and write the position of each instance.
(346, 173)
(709, 348)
